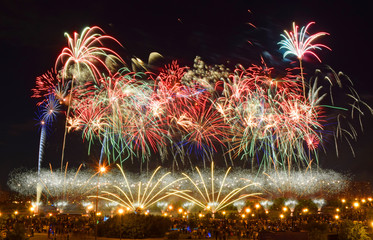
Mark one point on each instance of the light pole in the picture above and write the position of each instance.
(101, 170)
(32, 210)
(120, 211)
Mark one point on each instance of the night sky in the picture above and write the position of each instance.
(32, 36)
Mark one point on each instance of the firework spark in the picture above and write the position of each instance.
(299, 44)
(139, 196)
(212, 200)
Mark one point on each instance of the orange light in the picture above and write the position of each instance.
(247, 210)
(102, 169)
(282, 216)
(336, 216)
(120, 211)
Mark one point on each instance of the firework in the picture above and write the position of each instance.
(139, 196)
(50, 84)
(210, 190)
(68, 186)
(299, 44)
(191, 115)
(83, 54)
(86, 51)
(47, 114)
(303, 184)
(213, 200)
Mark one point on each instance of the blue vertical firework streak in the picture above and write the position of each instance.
(47, 113)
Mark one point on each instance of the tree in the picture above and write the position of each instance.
(352, 231)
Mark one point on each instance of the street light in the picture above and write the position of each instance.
(120, 211)
(101, 170)
(32, 209)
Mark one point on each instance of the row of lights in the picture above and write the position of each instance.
(363, 200)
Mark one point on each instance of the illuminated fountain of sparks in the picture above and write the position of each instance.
(139, 196)
(72, 185)
(207, 197)
(320, 202)
(303, 184)
(291, 204)
(133, 191)
(266, 204)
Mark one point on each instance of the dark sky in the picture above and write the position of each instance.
(32, 36)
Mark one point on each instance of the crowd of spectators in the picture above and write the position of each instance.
(63, 227)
